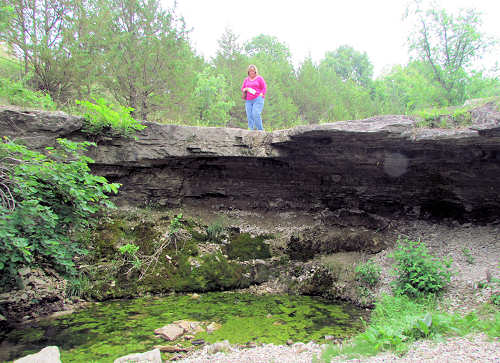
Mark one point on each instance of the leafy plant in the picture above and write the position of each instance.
(468, 256)
(417, 271)
(368, 273)
(50, 197)
(102, 116)
(175, 223)
(130, 251)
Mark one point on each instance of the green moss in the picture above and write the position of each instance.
(103, 332)
(244, 247)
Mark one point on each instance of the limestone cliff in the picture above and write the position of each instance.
(383, 165)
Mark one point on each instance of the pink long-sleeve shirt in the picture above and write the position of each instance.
(258, 84)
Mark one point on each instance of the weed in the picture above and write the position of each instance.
(214, 231)
(368, 273)
(418, 272)
(468, 256)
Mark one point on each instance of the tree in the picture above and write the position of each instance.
(212, 98)
(449, 44)
(37, 34)
(409, 88)
(148, 63)
(230, 62)
(312, 96)
(349, 64)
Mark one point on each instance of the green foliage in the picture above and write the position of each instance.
(448, 44)
(468, 256)
(212, 98)
(52, 196)
(445, 117)
(245, 247)
(102, 116)
(495, 296)
(214, 231)
(349, 64)
(15, 93)
(417, 272)
(175, 223)
(79, 286)
(398, 321)
(368, 273)
(129, 251)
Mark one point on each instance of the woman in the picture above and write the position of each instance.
(254, 90)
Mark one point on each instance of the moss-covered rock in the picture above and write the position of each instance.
(244, 247)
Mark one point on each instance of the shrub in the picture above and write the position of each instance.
(45, 199)
(15, 93)
(102, 116)
(417, 271)
(368, 273)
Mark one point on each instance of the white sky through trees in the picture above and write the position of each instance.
(313, 27)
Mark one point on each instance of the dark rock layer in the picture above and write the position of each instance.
(383, 165)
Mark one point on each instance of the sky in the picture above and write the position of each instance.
(313, 27)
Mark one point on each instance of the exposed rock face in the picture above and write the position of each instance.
(383, 165)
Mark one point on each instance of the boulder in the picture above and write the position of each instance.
(46, 355)
(153, 356)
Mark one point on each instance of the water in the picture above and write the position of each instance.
(103, 332)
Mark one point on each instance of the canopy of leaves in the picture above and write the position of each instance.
(45, 199)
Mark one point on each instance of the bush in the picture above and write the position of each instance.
(15, 93)
(102, 116)
(418, 272)
(46, 198)
(368, 273)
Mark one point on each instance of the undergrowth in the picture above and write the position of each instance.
(398, 321)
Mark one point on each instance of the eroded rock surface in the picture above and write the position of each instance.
(382, 166)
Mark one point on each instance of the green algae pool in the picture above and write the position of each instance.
(103, 332)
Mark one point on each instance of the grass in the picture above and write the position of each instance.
(453, 116)
(398, 321)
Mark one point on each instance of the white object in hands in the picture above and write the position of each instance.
(251, 90)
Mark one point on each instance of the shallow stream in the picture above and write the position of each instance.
(103, 332)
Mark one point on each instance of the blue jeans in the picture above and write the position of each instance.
(254, 109)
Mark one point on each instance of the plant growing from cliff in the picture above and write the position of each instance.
(45, 199)
(129, 251)
(102, 116)
(417, 271)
